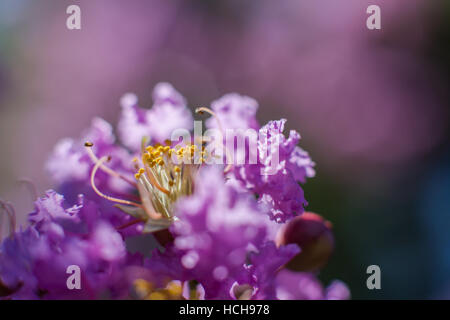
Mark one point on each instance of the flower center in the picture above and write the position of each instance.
(165, 174)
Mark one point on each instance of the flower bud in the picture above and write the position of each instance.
(314, 237)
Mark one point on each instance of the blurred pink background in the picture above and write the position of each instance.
(370, 105)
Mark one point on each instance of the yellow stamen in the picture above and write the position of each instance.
(139, 174)
(174, 289)
(157, 296)
(142, 288)
(154, 182)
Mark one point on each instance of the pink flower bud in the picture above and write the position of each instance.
(314, 237)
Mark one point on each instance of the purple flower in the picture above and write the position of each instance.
(50, 208)
(34, 262)
(305, 286)
(283, 196)
(219, 240)
(264, 266)
(71, 163)
(106, 243)
(133, 126)
(337, 290)
(15, 265)
(169, 112)
(281, 166)
(217, 228)
(300, 164)
(235, 112)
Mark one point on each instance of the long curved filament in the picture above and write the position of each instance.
(30, 186)
(208, 110)
(88, 146)
(219, 123)
(101, 194)
(8, 208)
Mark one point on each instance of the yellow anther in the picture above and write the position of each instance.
(139, 173)
(149, 148)
(171, 183)
(168, 142)
(166, 149)
(157, 296)
(174, 289)
(159, 161)
(142, 288)
(181, 151)
(177, 169)
(142, 284)
(192, 150)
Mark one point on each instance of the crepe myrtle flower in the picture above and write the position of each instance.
(169, 112)
(225, 231)
(305, 286)
(278, 187)
(161, 180)
(217, 227)
(281, 165)
(34, 261)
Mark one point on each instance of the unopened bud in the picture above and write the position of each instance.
(314, 237)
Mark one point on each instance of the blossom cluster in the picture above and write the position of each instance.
(219, 233)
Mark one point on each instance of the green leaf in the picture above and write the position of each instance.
(136, 212)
